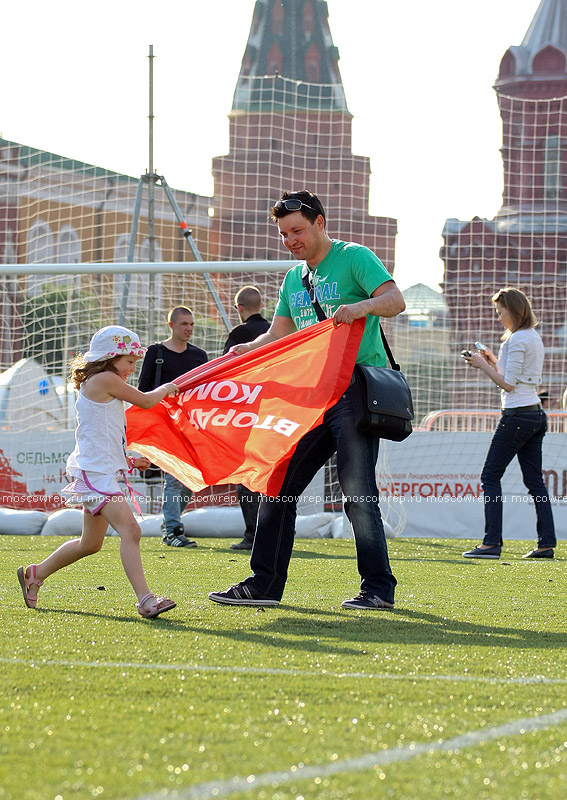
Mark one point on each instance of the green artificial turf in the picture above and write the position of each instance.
(311, 700)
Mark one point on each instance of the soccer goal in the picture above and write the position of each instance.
(49, 313)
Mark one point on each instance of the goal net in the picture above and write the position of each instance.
(68, 228)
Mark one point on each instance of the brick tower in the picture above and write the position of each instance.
(290, 128)
(525, 245)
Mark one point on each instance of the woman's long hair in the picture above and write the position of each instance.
(519, 308)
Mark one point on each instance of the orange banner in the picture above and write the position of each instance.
(238, 419)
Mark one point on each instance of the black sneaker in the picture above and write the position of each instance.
(243, 545)
(178, 540)
(241, 594)
(547, 553)
(365, 600)
(483, 552)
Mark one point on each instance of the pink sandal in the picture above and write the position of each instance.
(151, 606)
(26, 582)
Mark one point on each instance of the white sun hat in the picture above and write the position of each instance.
(112, 341)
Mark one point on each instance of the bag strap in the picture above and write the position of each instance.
(393, 363)
(159, 365)
(306, 280)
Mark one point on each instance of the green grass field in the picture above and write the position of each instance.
(460, 692)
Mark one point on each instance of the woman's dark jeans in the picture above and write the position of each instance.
(519, 433)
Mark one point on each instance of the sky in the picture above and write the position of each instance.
(418, 77)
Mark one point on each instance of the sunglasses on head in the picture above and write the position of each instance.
(293, 204)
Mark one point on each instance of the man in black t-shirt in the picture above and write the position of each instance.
(164, 362)
(248, 302)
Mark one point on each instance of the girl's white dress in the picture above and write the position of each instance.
(98, 463)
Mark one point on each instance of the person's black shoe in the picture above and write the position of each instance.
(483, 552)
(178, 540)
(365, 600)
(243, 545)
(241, 594)
(540, 554)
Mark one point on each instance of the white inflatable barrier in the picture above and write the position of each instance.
(224, 521)
(314, 526)
(342, 529)
(15, 522)
(214, 521)
(219, 521)
(65, 522)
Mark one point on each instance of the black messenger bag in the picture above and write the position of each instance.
(382, 401)
(381, 397)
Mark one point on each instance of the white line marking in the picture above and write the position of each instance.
(230, 670)
(221, 789)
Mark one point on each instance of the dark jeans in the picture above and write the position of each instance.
(356, 464)
(519, 433)
(249, 504)
(176, 497)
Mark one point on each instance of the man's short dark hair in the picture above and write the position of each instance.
(178, 311)
(248, 297)
(310, 206)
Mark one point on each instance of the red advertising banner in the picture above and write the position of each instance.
(238, 419)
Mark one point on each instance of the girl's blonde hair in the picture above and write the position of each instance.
(81, 370)
(519, 308)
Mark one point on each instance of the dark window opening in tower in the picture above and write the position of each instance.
(278, 19)
(507, 65)
(275, 60)
(550, 59)
(552, 168)
(308, 19)
(313, 64)
(312, 73)
(255, 21)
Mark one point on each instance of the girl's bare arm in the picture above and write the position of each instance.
(105, 386)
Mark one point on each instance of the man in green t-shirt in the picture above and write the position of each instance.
(349, 282)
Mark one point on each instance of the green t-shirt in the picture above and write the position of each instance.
(348, 273)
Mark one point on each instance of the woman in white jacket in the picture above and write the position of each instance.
(523, 424)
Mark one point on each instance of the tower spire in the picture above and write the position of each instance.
(290, 128)
(289, 39)
(538, 67)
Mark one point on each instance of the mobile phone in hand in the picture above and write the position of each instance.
(480, 346)
(466, 354)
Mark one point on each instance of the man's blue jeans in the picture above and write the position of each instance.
(519, 433)
(176, 496)
(356, 464)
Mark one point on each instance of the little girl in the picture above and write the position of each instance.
(98, 464)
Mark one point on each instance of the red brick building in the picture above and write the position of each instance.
(525, 245)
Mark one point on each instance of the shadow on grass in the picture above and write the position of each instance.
(137, 618)
(350, 630)
(411, 627)
(341, 632)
